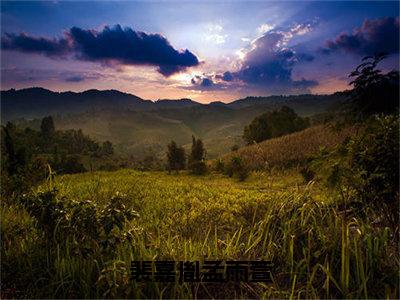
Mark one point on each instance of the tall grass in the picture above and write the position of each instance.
(291, 149)
(317, 251)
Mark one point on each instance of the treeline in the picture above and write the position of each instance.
(29, 156)
(274, 124)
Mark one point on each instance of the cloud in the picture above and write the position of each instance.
(379, 35)
(18, 75)
(28, 44)
(301, 29)
(76, 78)
(111, 45)
(267, 65)
(214, 34)
(263, 28)
(216, 38)
(205, 83)
(226, 76)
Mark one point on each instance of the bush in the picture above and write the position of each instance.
(219, 166)
(84, 221)
(307, 173)
(374, 157)
(364, 169)
(69, 165)
(198, 167)
(236, 168)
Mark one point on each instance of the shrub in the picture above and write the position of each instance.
(237, 168)
(219, 166)
(198, 167)
(374, 157)
(365, 168)
(307, 173)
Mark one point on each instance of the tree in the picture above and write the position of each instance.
(107, 148)
(197, 157)
(176, 157)
(47, 127)
(373, 92)
(274, 124)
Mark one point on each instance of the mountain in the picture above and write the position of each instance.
(38, 102)
(141, 127)
(170, 103)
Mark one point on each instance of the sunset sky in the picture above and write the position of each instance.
(204, 50)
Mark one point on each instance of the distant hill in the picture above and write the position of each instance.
(39, 102)
(143, 127)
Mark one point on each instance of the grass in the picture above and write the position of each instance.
(290, 150)
(317, 251)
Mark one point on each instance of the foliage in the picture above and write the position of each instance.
(237, 168)
(83, 222)
(196, 162)
(175, 157)
(316, 252)
(274, 124)
(365, 168)
(26, 153)
(19, 168)
(47, 128)
(374, 92)
(107, 148)
(307, 173)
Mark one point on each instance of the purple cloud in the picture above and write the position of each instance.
(269, 63)
(379, 35)
(114, 45)
(40, 45)
(76, 78)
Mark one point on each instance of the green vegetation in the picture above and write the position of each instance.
(321, 203)
(317, 250)
(197, 157)
(291, 150)
(373, 92)
(27, 154)
(176, 157)
(274, 124)
(365, 169)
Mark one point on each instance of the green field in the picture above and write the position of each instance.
(318, 250)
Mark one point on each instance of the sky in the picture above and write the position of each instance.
(203, 50)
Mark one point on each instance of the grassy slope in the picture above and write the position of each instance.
(290, 149)
(316, 252)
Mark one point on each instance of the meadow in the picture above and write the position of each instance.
(318, 249)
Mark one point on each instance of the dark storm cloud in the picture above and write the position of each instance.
(115, 45)
(130, 47)
(379, 35)
(28, 44)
